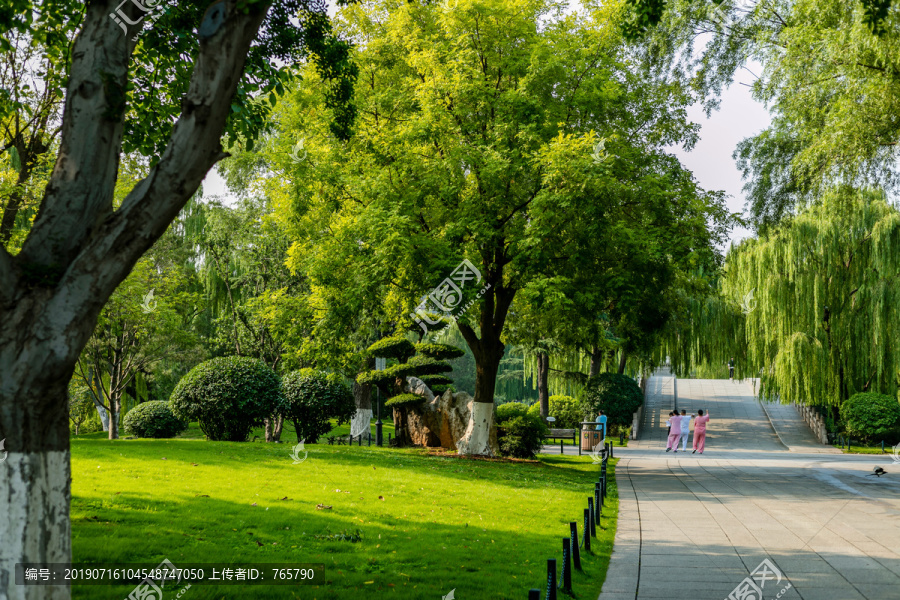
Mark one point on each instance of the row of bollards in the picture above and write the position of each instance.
(571, 545)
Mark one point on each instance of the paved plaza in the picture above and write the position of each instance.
(697, 526)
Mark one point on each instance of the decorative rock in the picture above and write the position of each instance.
(442, 421)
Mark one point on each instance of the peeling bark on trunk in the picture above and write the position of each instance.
(543, 387)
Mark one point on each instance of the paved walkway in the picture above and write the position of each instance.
(697, 526)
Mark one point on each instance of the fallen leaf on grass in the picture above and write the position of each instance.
(323, 507)
(381, 498)
(163, 458)
(259, 543)
(254, 504)
(195, 464)
(285, 498)
(202, 495)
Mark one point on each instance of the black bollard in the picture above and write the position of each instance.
(882, 446)
(622, 438)
(566, 584)
(573, 541)
(370, 438)
(534, 594)
(591, 512)
(597, 503)
(587, 530)
(360, 440)
(551, 579)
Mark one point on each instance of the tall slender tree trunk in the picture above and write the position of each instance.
(542, 384)
(596, 361)
(623, 359)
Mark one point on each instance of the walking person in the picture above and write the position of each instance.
(731, 368)
(700, 431)
(685, 429)
(674, 432)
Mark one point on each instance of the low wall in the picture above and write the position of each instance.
(815, 421)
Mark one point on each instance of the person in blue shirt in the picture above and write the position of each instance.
(601, 421)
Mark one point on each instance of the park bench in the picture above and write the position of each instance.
(564, 434)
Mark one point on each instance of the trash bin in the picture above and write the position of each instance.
(590, 439)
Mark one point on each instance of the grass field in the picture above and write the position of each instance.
(428, 522)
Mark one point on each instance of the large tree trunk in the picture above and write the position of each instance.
(488, 353)
(543, 388)
(36, 489)
(80, 249)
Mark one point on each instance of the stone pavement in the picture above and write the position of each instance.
(697, 526)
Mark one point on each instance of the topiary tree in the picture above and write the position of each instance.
(153, 419)
(872, 416)
(618, 396)
(429, 365)
(228, 396)
(312, 399)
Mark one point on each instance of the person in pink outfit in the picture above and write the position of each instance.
(674, 432)
(700, 431)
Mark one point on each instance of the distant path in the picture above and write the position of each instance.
(694, 527)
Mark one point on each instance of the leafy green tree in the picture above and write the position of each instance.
(170, 93)
(618, 396)
(809, 306)
(33, 67)
(468, 119)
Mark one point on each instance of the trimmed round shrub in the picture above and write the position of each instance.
(228, 396)
(872, 416)
(439, 351)
(521, 436)
(404, 400)
(153, 420)
(618, 396)
(392, 347)
(519, 433)
(312, 399)
(512, 409)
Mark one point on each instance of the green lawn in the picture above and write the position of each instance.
(429, 523)
(888, 450)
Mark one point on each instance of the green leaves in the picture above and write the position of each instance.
(312, 399)
(228, 396)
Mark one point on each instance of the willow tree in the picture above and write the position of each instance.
(823, 318)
